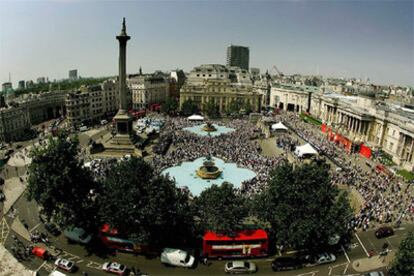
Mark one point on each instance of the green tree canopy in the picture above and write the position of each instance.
(404, 260)
(149, 209)
(221, 209)
(234, 107)
(302, 206)
(169, 106)
(212, 109)
(189, 107)
(60, 184)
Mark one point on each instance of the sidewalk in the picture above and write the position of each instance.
(10, 266)
(13, 189)
(375, 262)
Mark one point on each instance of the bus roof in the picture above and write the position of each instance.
(240, 235)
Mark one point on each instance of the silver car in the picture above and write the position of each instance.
(324, 258)
(240, 267)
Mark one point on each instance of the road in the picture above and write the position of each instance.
(90, 262)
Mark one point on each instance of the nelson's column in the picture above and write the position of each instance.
(124, 140)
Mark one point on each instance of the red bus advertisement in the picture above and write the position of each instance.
(246, 243)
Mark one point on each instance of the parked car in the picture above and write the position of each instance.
(78, 235)
(240, 267)
(65, 265)
(52, 229)
(176, 257)
(324, 258)
(104, 122)
(374, 273)
(2, 196)
(83, 128)
(286, 263)
(115, 268)
(384, 232)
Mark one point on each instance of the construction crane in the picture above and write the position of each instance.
(277, 71)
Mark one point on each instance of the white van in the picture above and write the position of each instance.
(176, 257)
(57, 273)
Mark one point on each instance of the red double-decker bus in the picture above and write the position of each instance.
(246, 243)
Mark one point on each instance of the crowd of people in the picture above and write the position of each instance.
(235, 147)
(386, 198)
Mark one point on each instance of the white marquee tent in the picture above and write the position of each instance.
(195, 118)
(279, 126)
(306, 149)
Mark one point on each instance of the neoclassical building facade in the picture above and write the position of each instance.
(220, 85)
(358, 119)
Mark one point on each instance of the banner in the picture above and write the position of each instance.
(365, 151)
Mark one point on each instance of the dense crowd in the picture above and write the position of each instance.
(387, 199)
(236, 147)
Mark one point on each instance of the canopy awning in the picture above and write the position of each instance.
(196, 117)
(279, 126)
(306, 149)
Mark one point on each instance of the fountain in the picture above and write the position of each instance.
(208, 170)
(209, 127)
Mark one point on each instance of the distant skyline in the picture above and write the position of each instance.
(359, 39)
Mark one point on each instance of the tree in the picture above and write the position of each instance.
(221, 209)
(403, 263)
(212, 109)
(189, 107)
(234, 107)
(169, 106)
(60, 184)
(303, 207)
(248, 108)
(149, 209)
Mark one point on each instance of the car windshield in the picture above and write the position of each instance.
(121, 267)
(83, 236)
(246, 264)
(187, 258)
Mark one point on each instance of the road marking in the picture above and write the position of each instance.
(48, 267)
(37, 225)
(312, 273)
(360, 242)
(5, 229)
(41, 266)
(389, 242)
(95, 265)
(336, 266)
(354, 245)
(346, 255)
(346, 268)
(400, 228)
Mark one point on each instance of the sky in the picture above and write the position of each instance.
(334, 38)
